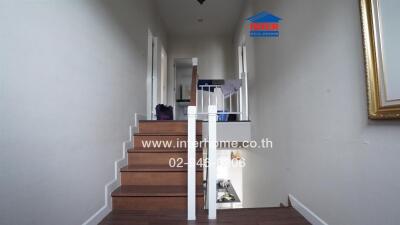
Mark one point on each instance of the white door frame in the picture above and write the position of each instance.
(174, 91)
(149, 77)
(153, 83)
(163, 76)
(156, 74)
(243, 92)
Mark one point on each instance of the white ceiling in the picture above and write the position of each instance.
(181, 16)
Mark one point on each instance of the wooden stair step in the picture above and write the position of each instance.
(157, 198)
(164, 134)
(156, 141)
(156, 168)
(158, 157)
(157, 175)
(153, 191)
(148, 182)
(166, 126)
(160, 150)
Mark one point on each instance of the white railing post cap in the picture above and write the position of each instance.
(212, 109)
(195, 61)
(192, 110)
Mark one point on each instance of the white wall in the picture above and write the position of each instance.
(263, 184)
(72, 77)
(312, 102)
(214, 54)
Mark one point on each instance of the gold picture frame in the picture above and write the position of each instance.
(378, 107)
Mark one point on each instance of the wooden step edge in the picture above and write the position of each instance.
(156, 168)
(161, 150)
(173, 121)
(181, 134)
(166, 133)
(154, 191)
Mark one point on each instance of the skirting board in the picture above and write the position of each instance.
(306, 212)
(98, 216)
(109, 188)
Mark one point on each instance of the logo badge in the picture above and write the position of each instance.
(264, 24)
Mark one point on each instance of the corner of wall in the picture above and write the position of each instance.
(313, 218)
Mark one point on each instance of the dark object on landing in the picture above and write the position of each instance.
(222, 117)
(232, 117)
(208, 82)
(226, 117)
(201, 1)
(164, 112)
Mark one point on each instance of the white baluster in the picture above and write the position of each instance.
(237, 103)
(223, 103)
(202, 98)
(191, 174)
(246, 107)
(216, 96)
(212, 162)
(209, 95)
(230, 102)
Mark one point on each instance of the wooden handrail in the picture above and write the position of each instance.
(193, 90)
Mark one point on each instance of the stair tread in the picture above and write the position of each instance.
(182, 134)
(153, 191)
(156, 168)
(159, 150)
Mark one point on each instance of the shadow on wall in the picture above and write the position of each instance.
(72, 76)
(312, 84)
(130, 21)
(290, 72)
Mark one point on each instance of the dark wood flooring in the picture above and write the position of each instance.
(257, 216)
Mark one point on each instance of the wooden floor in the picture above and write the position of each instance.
(258, 216)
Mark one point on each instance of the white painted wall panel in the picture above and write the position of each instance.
(310, 99)
(72, 75)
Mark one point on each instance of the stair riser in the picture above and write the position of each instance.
(153, 203)
(166, 127)
(161, 142)
(158, 178)
(157, 158)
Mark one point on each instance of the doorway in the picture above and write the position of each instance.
(156, 75)
(183, 81)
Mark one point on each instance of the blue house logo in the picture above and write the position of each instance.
(264, 24)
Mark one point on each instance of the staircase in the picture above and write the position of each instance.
(148, 182)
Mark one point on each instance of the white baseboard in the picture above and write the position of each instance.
(110, 187)
(116, 182)
(306, 212)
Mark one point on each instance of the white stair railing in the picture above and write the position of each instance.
(192, 113)
(191, 168)
(212, 163)
(207, 95)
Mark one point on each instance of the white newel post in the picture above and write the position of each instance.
(191, 200)
(212, 162)
(246, 107)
